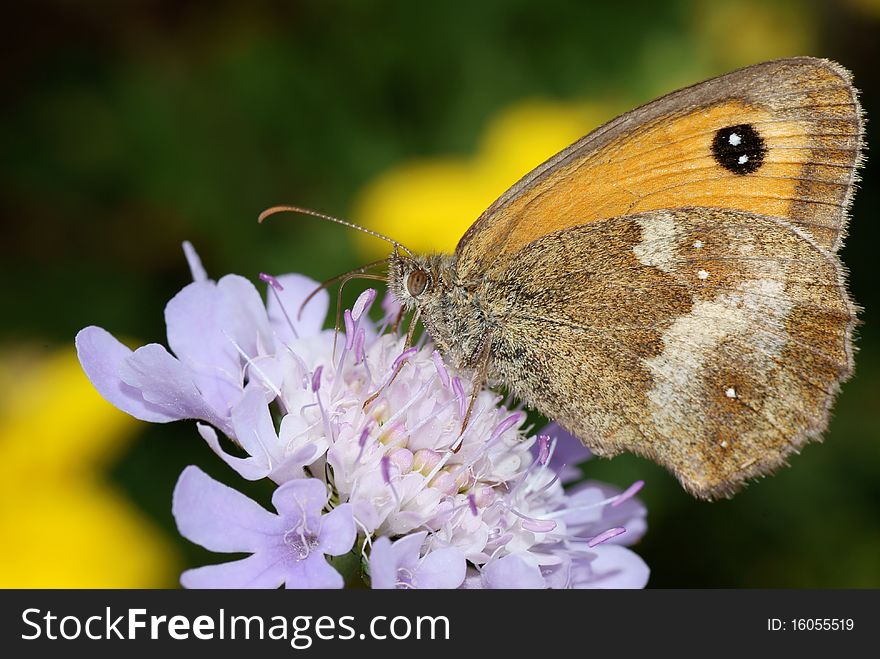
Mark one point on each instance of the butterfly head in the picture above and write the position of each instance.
(417, 281)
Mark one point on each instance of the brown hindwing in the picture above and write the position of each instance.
(712, 341)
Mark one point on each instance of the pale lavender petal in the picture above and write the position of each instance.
(391, 307)
(257, 571)
(291, 467)
(101, 356)
(614, 567)
(194, 262)
(302, 497)
(269, 371)
(408, 549)
(200, 338)
(584, 506)
(512, 572)
(244, 316)
(338, 531)
(296, 289)
(254, 429)
(383, 565)
(567, 454)
(219, 518)
(168, 384)
(314, 572)
(386, 559)
(248, 468)
(441, 568)
(558, 576)
(473, 580)
(630, 514)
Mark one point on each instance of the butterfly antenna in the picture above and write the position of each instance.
(328, 282)
(351, 225)
(345, 279)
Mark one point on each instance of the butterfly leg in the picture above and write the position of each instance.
(481, 374)
(395, 324)
(406, 346)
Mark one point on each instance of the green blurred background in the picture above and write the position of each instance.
(127, 127)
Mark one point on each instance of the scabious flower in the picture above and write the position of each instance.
(400, 564)
(369, 431)
(287, 548)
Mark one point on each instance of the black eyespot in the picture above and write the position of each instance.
(417, 282)
(739, 149)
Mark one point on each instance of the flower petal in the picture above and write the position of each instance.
(296, 498)
(408, 549)
(168, 384)
(247, 468)
(244, 316)
(614, 567)
(254, 428)
(199, 337)
(296, 289)
(387, 558)
(219, 518)
(584, 506)
(338, 531)
(588, 518)
(314, 572)
(101, 356)
(568, 453)
(194, 262)
(383, 565)
(512, 572)
(441, 568)
(262, 570)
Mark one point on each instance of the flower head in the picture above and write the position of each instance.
(377, 425)
(286, 548)
(399, 564)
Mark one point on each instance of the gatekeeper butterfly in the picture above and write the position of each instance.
(670, 284)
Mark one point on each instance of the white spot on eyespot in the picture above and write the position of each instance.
(734, 139)
(743, 159)
(730, 393)
(698, 244)
(702, 274)
(723, 443)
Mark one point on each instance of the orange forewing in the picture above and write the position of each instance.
(660, 156)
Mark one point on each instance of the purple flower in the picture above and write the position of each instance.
(564, 451)
(592, 508)
(612, 566)
(279, 455)
(287, 548)
(511, 571)
(604, 566)
(400, 564)
(218, 332)
(372, 426)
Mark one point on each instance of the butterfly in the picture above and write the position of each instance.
(669, 285)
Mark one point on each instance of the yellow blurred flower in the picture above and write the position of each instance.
(870, 8)
(735, 33)
(62, 525)
(427, 205)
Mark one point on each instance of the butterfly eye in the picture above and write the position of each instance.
(739, 149)
(417, 282)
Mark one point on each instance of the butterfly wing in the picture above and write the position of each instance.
(781, 138)
(712, 341)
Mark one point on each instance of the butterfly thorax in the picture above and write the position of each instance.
(450, 309)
